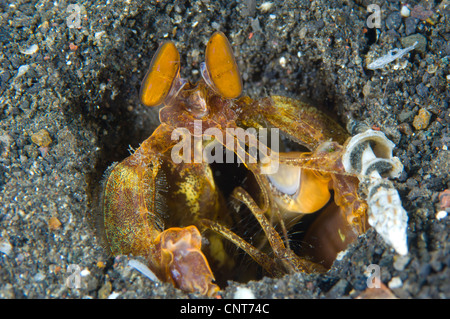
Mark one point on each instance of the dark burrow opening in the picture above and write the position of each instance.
(304, 235)
(312, 236)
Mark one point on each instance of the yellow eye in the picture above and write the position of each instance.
(221, 66)
(165, 67)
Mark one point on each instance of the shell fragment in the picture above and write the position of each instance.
(369, 155)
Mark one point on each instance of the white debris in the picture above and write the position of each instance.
(32, 49)
(405, 12)
(5, 247)
(114, 295)
(98, 35)
(390, 56)
(441, 215)
(39, 277)
(340, 255)
(266, 6)
(283, 62)
(85, 272)
(143, 269)
(369, 155)
(22, 70)
(395, 282)
(243, 293)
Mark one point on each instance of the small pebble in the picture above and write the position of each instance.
(421, 13)
(441, 215)
(105, 291)
(32, 49)
(39, 277)
(7, 291)
(256, 26)
(424, 270)
(435, 262)
(405, 128)
(444, 199)
(411, 25)
(22, 70)
(5, 247)
(422, 90)
(85, 272)
(243, 293)
(341, 288)
(43, 150)
(114, 295)
(405, 12)
(41, 138)
(401, 262)
(266, 6)
(395, 282)
(394, 20)
(341, 255)
(54, 223)
(98, 35)
(422, 120)
(410, 40)
(72, 46)
(405, 116)
(366, 89)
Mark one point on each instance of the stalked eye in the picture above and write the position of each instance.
(220, 69)
(163, 72)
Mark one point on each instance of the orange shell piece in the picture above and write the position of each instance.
(165, 67)
(222, 67)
